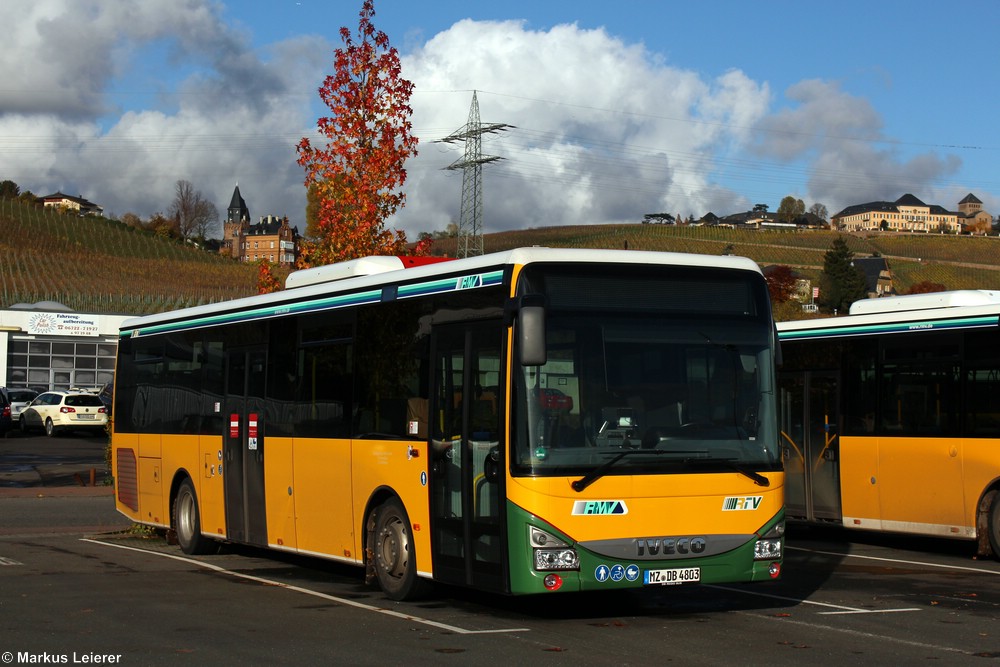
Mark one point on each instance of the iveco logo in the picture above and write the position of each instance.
(666, 546)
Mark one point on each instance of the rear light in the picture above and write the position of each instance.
(6, 411)
(102, 410)
(66, 409)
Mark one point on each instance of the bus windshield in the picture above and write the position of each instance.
(685, 388)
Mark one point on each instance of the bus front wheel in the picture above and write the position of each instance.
(392, 549)
(187, 522)
(994, 525)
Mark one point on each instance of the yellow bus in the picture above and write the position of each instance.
(528, 421)
(890, 416)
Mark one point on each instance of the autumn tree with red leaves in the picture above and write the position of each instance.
(357, 177)
(926, 287)
(267, 282)
(781, 283)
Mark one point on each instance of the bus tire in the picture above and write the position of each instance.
(392, 551)
(187, 523)
(993, 527)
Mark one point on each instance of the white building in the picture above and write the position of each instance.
(49, 346)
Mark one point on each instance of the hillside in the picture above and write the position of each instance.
(97, 265)
(102, 266)
(957, 262)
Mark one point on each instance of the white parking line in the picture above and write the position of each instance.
(896, 560)
(853, 610)
(307, 591)
(841, 608)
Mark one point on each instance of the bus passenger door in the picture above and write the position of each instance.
(243, 447)
(810, 414)
(467, 467)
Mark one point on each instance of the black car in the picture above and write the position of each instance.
(106, 395)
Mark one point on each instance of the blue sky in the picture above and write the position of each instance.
(619, 109)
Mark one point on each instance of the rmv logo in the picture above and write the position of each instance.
(600, 507)
(469, 282)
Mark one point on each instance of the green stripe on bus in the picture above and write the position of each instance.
(894, 327)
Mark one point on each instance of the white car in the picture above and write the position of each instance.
(59, 411)
(19, 399)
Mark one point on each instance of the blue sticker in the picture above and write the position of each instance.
(632, 572)
(602, 573)
(423, 478)
(617, 572)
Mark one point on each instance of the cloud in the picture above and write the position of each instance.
(603, 131)
(850, 159)
(219, 110)
(116, 101)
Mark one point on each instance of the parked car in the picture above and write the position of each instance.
(18, 399)
(5, 419)
(58, 411)
(107, 395)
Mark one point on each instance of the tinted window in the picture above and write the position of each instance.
(84, 400)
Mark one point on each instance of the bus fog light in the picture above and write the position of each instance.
(552, 582)
(774, 570)
(767, 550)
(556, 559)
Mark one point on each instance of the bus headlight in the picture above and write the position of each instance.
(767, 549)
(556, 559)
(768, 546)
(551, 553)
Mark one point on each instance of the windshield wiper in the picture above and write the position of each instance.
(598, 472)
(757, 478)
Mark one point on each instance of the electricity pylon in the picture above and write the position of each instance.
(470, 225)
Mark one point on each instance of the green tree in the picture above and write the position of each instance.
(9, 190)
(841, 283)
(790, 209)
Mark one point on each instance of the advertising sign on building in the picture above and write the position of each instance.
(63, 324)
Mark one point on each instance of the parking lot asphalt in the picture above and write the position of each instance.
(67, 465)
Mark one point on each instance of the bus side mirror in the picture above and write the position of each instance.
(531, 330)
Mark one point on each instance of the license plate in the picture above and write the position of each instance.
(85, 416)
(680, 575)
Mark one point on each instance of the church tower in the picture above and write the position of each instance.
(235, 227)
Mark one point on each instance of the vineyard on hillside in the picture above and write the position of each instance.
(96, 265)
(957, 262)
(92, 264)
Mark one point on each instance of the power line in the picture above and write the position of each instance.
(470, 226)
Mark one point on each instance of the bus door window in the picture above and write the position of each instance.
(467, 454)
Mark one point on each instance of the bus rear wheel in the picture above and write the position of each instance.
(187, 522)
(392, 549)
